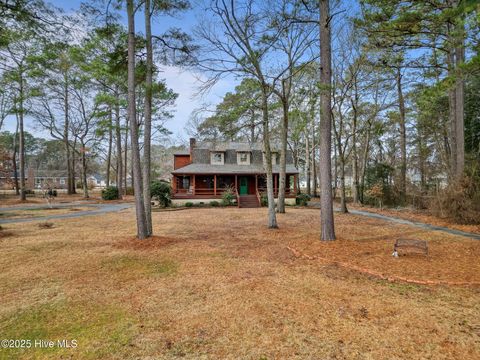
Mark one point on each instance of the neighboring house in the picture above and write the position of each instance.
(44, 179)
(207, 169)
(97, 181)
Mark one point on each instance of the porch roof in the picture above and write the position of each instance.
(233, 169)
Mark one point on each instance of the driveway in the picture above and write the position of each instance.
(407, 222)
(99, 210)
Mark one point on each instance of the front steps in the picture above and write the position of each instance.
(249, 201)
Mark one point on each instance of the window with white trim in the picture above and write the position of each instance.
(217, 158)
(243, 158)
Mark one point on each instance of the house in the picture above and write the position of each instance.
(97, 181)
(204, 172)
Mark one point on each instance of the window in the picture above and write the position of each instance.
(243, 158)
(185, 182)
(216, 158)
(62, 181)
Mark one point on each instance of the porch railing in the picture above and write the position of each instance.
(200, 191)
(263, 190)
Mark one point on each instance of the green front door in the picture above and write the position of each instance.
(243, 186)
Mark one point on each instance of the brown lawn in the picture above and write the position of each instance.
(216, 284)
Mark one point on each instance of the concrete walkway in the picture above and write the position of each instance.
(100, 209)
(408, 222)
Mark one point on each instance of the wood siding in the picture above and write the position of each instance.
(181, 161)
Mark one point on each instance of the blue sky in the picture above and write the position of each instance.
(183, 82)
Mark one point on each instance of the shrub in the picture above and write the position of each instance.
(29, 192)
(162, 192)
(188, 204)
(264, 200)
(377, 193)
(302, 199)
(52, 192)
(460, 201)
(110, 193)
(228, 196)
(214, 203)
(129, 191)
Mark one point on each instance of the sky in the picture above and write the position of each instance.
(182, 81)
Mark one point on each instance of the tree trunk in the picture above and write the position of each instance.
(84, 171)
(21, 150)
(403, 138)
(326, 201)
(335, 172)
(142, 231)
(70, 178)
(127, 124)
(272, 218)
(307, 162)
(110, 141)
(118, 133)
(73, 169)
(364, 164)
(355, 189)
(343, 197)
(314, 162)
(459, 110)
(14, 161)
(283, 154)
(147, 198)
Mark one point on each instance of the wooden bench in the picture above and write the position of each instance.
(410, 244)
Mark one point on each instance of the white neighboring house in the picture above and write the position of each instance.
(98, 181)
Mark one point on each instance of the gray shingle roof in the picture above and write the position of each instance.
(232, 145)
(229, 169)
(181, 152)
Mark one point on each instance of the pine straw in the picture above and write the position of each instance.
(216, 283)
(423, 216)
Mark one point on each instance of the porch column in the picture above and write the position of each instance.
(236, 187)
(295, 184)
(215, 185)
(256, 183)
(193, 188)
(174, 184)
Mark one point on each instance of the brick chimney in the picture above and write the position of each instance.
(193, 142)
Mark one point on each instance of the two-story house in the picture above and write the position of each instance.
(207, 169)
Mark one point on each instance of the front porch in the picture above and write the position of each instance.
(194, 186)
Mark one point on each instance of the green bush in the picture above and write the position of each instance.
(264, 200)
(129, 191)
(162, 192)
(228, 196)
(302, 199)
(52, 192)
(188, 204)
(214, 203)
(110, 193)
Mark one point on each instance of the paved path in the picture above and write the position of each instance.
(100, 209)
(408, 222)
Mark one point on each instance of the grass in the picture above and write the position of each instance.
(221, 285)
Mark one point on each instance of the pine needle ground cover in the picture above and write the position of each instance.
(215, 283)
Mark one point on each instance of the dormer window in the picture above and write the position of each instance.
(243, 158)
(217, 158)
